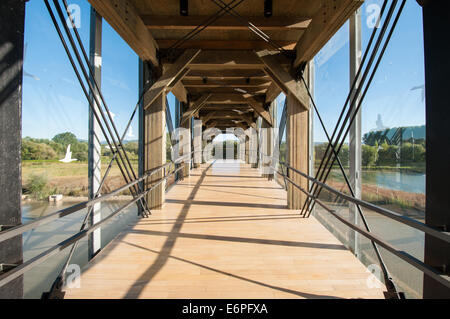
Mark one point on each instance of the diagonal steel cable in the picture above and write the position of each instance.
(250, 25)
(388, 279)
(203, 26)
(125, 161)
(357, 84)
(352, 112)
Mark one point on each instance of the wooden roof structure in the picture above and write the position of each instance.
(227, 73)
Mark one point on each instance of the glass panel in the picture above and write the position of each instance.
(393, 142)
(55, 114)
(393, 154)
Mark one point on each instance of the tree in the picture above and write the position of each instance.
(36, 151)
(65, 139)
(132, 147)
(387, 155)
(369, 155)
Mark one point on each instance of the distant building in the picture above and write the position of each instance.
(380, 126)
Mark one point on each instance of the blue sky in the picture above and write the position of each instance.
(53, 101)
(390, 95)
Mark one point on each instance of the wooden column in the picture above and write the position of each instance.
(185, 144)
(247, 150)
(436, 17)
(241, 147)
(11, 58)
(266, 148)
(258, 142)
(297, 137)
(155, 148)
(253, 147)
(197, 143)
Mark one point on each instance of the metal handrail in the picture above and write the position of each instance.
(413, 261)
(426, 269)
(442, 235)
(24, 267)
(20, 229)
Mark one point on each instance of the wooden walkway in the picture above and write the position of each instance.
(225, 232)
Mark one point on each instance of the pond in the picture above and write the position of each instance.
(401, 181)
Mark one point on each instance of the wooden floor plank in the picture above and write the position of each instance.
(225, 232)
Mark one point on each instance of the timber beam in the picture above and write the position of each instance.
(195, 107)
(124, 18)
(229, 59)
(259, 108)
(283, 79)
(325, 23)
(242, 82)
(225, 23)
(170, 77)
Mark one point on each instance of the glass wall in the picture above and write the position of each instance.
(55, 138)
(393, 141)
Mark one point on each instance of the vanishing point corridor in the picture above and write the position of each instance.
(225, 232)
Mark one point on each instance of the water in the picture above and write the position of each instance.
(407, 239)
(41, 277)
(399, 181)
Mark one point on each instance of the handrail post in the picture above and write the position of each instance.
(355, 147)
(95, 133)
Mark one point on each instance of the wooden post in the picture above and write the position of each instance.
(266, 148)
(155, 149)
(197, 142)
(185, 144)
(253, 147)
(297, 137)
(11, 45)
(247, 150)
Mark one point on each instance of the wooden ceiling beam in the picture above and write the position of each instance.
(225, 23)
(195, 107)
(226, 114)
(227, 107)
(227, 73)
(180, 92)
(231, 98)
(170, 77)
(188, 82)
(124, 18)
(283, 79)
(226, 44)
(259, 108)
(272, 92)
(228, 90)
(231, 59)
(326, 22)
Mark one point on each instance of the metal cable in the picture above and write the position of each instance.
(388, 279)
(356, 81)
(92, 89)
(202, 26)
(251, 26)
(356, 110)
